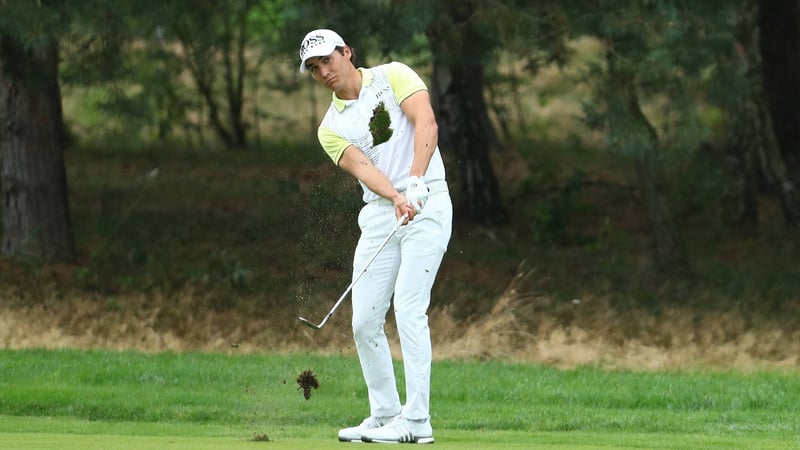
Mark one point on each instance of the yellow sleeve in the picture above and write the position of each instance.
(403, 80)
(333, 144)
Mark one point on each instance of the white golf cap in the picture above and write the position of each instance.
(320, 42)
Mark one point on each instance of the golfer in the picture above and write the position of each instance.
(399, 167)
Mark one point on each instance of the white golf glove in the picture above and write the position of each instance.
(417, 193)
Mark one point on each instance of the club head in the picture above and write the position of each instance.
(309, 323)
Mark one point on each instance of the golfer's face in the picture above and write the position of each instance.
(328, 70)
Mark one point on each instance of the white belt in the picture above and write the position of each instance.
(434, 187)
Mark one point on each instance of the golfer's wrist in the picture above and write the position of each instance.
(398, 199)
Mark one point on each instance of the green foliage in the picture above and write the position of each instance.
(165, 219)
(551, 216)
(144, 53)
(556, 206)
(651, 92)
(667, 50)
(667, 44)
(33, 23)
(225, 269)
(700, 187)
(210, 218)
(153, 104)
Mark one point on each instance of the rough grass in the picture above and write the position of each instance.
(522, 325)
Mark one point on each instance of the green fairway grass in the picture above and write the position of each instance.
(98, 437)
(71, 399)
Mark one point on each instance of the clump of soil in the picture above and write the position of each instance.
(380, 125)
(306, 381)
(261, 438)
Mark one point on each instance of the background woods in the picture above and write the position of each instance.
(640, 152)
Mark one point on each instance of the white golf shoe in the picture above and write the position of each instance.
(353, 434)
(401, 430)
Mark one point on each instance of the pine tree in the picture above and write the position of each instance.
(35, 213)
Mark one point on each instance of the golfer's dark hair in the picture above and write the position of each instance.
(352, 52)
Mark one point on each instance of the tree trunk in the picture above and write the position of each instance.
(740, 208)
(235, 66)
(214, 39)
(669, 246)
(202, 71)
(464, 125)
(631, 133)
(466, 131)
(745, 130)
(778, 48)
(35, 207)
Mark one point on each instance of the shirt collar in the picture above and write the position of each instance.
(366, 80)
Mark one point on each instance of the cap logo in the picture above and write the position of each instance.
(309, 43)
(317, 43)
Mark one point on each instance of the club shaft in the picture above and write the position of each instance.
(358, 275)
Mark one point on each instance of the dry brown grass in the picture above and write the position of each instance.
(589, 331)
(521, 327)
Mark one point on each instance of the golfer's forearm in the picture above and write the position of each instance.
(378, 183)
(426, 135)
(357, 164)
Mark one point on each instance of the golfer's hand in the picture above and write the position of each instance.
(417, 193)
(403, 208)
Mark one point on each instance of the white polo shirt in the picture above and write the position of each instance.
(347, 123)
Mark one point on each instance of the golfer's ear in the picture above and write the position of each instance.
(350, 54)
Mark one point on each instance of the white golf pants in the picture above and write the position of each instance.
(406, 267)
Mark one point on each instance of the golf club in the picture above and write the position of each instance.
(357, 277)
